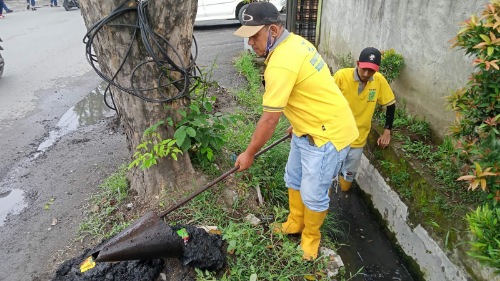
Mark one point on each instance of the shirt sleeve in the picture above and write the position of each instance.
(279, 85)
(338, 79)
(386, 96)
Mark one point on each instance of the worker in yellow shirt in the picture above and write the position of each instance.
(364, 87)
(299, 85)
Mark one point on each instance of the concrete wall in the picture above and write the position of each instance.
(415, 240)
(420, 30)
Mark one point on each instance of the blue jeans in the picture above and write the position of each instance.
(351, 164)
(53, 2)
(310, 170)
(32, 2)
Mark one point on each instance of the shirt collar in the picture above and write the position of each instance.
(280, 39)
(356, 76)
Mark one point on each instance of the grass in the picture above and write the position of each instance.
(254, 251)
(102, 219)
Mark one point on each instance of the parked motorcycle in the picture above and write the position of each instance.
(2, 62)
(68, 4)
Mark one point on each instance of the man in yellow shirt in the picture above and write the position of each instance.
(363, 87)
(299, 85)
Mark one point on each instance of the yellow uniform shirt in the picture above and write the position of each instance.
(362, 104)
(299, 84)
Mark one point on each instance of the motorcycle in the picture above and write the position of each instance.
(2, 62)
(68, 4)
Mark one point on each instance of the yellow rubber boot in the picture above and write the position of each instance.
(311, 236)
(295, 222)
(344, 185)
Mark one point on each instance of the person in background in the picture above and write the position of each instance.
(1, 9)
(30, 5)
(298, 84)
(364, 87)
(6, 9)
(53, 3)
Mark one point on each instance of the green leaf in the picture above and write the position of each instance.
(462, 30)
(180, 135)
(485, 38)
(208, 107)
(195, 108)
(490, 50)
(191, 132)
(170, 122)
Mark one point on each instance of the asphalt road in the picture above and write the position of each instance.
(45, 81)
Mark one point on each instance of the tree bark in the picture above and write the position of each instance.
(174, 20)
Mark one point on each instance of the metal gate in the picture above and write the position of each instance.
(303, 18)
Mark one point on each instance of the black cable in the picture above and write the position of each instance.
(153, 44)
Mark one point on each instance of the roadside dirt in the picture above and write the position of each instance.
(57, 185)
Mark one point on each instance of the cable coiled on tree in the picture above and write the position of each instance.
(153, 44)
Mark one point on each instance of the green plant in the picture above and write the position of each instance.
(201, 130)
(477, 106)
(485, 224)
(391, 64)
(48, 204)
(388, 165)
(400, 178)
(153, 147)
(102, 218)
(250, 97)
(346, 61)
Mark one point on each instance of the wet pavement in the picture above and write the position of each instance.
(86, 112)
(11, 202)
(365, 250)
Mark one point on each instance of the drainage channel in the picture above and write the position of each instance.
(88, 111)
(365, 250)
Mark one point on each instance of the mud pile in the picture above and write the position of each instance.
(201, 250)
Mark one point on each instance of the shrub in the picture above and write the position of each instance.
(476, 131)
(391, 64)
(484, 224)
(477, 106)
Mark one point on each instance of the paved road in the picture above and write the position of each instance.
(45, 74)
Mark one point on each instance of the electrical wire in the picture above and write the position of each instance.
(182, 77)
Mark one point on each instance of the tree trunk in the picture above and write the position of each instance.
(173, 20)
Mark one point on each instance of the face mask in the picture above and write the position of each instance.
(269, 45)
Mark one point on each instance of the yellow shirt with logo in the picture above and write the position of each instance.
(299, 84)
(363, 104)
